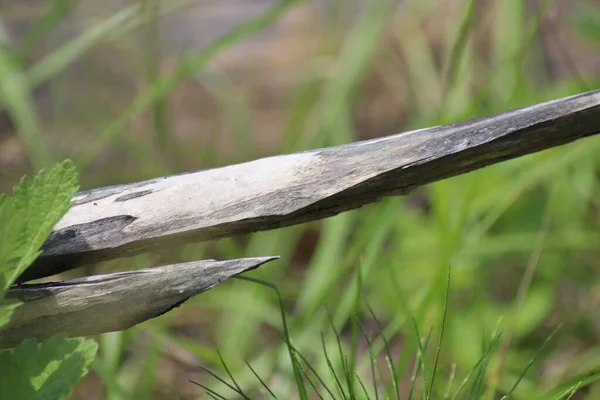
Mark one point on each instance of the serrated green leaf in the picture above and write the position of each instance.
(39, 203)
(11, 223)
(6, 308)
(45, 371)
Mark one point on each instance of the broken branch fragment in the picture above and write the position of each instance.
(269, 193)
(113, 302)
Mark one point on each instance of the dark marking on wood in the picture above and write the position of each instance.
(134, 195)
(69, 247)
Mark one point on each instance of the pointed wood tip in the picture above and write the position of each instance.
(112, 302)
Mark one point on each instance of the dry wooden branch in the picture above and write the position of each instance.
(269, 193)
(105, 303)
(264, 194)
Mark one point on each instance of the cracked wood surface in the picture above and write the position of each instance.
(112, 302)
(278, 191)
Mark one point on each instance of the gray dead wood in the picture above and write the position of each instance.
(269, 193)
(112, 302)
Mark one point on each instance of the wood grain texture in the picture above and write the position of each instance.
(290, 189)
(112, 302)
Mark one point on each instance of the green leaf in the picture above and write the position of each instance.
(16, 99)
(11, 223)
(45, 370)
(28, 218)
(6, 308)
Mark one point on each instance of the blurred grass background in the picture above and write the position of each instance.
(134, 90)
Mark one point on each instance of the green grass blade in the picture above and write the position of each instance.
(61, 58)
(450, 381)
(294, 361)
(16, 98)
(321, 381)
(522, 79)
(209, 391)
(372, 359)
(187, 67)
(115, 26)
(524, 286)
(146, 374)
(439, 346)
(357, 52)
(420, 364)
(236, 107)
(57, 10)
(580, 380)
(217, 377)
(456, 57)
(416, 370)
(537, 174)
(482, 361)
(402, 299)
(237, 389)
(367, 248)
(362, 385)
(530, 363)
(420, 361)
(506, 45)
(263, 384)
(151, 58)
(111, 354)
(354, 320)
(572, 392)
(325, 268)
(311, 383)
(389, 359)
(343, 361)
(332, 369)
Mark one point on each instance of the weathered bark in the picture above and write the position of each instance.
(124, 220)
(112, 302)
(269, 193)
